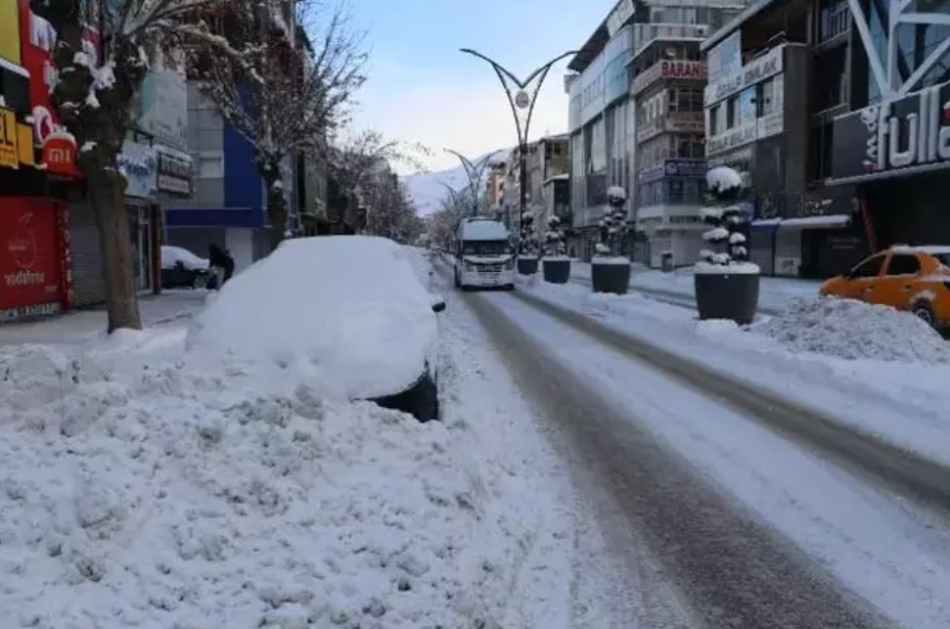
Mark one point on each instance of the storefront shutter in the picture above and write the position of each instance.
(88, 284)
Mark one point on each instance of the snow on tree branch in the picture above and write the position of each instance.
(271, 89)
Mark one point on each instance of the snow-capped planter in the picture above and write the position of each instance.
(527, 266)
(556, 265)
(527, 245)
(726, 283)
(610, 271)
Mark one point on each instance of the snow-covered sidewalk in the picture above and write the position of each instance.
(776, 293)
(875, 368)
(143, 488)
(170, 307)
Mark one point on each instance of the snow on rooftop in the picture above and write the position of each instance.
(482, 230)
(345, 313)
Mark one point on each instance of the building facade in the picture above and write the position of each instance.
(40, 188)
(893, 147)
(667, 95)
(227, 204)
(600, 125)
(779, 77)
(634, 88)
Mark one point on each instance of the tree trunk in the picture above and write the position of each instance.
(107, 192)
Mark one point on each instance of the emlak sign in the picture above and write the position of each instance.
(897, 137)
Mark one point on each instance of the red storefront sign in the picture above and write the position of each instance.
(30, 262)
(679, 69)
(37, 39)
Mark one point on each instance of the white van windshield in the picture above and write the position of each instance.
(485, 247)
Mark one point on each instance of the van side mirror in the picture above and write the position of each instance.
(438, 306)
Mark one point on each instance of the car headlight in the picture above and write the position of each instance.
(510, 263)
(469, 266)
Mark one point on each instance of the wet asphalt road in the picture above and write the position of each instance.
(728, 569)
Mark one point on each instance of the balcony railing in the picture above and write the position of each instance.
(833, 21)
(644, 34)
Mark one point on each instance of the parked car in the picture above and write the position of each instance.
(183, 269)
(349, 312)
(914, 279)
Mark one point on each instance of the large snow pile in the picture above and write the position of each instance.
(358, 322)
(137, 492)
(851, 329)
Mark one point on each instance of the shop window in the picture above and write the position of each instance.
(903, 265)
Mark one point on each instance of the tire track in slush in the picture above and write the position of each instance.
(730, 570)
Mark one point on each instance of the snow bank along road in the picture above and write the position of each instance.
(724, 522)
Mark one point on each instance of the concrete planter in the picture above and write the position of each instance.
(527, 266)
(610, 278)
(557, 271)
(734, 297)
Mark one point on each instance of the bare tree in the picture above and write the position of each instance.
(93, 99)
(390, 212)
(280, 97)
(443, 223)
(354, 161)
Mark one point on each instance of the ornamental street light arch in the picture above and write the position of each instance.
(522, 95)
(474, 172)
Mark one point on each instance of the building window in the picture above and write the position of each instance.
(686, 99)
(210, 165)
(732, 112)
(765, 97)
(714, 120)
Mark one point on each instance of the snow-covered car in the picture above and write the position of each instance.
(348, 312)
(183, 269)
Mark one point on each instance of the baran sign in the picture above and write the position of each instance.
(903, 136)
(676, 69)
(751, 73)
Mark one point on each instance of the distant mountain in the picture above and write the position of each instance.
(426, 191)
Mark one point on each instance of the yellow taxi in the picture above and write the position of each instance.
(914, 279)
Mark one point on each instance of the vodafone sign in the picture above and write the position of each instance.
(30, 273)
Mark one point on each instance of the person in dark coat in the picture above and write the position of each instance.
(221, 258)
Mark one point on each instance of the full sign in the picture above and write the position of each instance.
(906, 134)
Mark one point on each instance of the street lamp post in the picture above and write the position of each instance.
(474, 173)
(521, 99)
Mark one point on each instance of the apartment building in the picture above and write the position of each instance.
(893, 147)
(667, 92)
(781, 76)
(546, 158)
(634, 83)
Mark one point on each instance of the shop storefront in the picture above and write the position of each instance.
(897, 154)
(140, 164)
